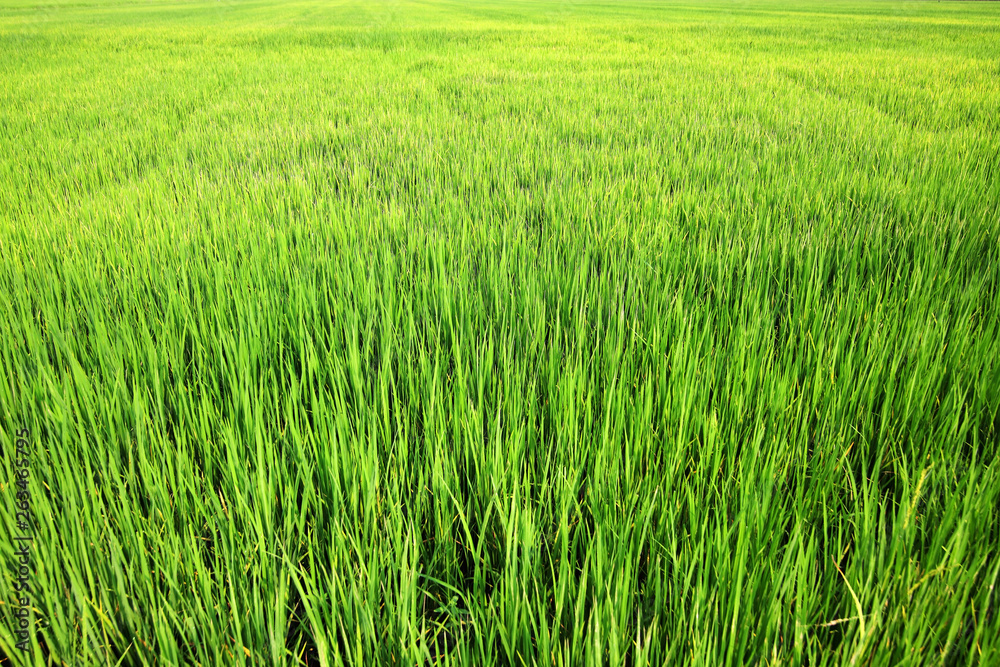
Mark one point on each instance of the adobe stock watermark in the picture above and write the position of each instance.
(23, 537)
(563, 10)
(36, 20)
(384, 14)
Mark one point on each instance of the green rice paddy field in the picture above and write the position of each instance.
(516, 333)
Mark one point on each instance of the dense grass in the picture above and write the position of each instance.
(517, 333)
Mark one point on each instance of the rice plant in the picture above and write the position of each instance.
(525, 333)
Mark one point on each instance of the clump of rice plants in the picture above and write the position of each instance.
(534, 333)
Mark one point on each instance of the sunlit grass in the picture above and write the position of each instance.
(520, 333)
